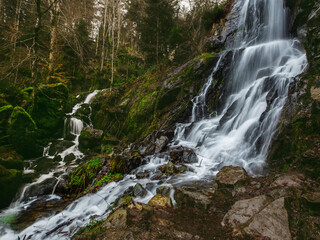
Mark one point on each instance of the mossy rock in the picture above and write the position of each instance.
(22, 133)
(5, 113)
(10, 159)
(10, 182)
(90, 139)
(49, 108)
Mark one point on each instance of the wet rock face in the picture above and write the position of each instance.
(229, 176)
(139, 191)
(160, 201)
(271, 222)
(22, 132)
(49, 108)
(183, 155)
(195, 196)
(90, 139)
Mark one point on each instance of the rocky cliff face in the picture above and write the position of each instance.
(298, 144)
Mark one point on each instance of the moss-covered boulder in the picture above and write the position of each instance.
(10, 159)
(49, 108)
(5, 113)
(22, 131)
(90, 139)
(10, 181)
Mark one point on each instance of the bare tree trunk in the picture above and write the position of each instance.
(103, 51)
(17, 24)
(119, 23)
(157, 48)
(113, 43)
(54, 18)
(35, 46)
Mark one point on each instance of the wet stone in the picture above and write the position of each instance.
(164, 190)
(160, 201)
(150, 186)
(70, 157)
(183, 155)
(141, 175)
(229, 176)
(161, 143)
(139, 191)
(157, 175)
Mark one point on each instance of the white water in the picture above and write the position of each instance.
(264, 61)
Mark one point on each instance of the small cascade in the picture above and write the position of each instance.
(71, 133)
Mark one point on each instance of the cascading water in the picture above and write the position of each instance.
(264, 62)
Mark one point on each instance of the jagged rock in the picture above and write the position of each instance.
(230, 176)
(243, 210)
(161, 143)
(170, 168)
(288, 180)
(194, 196)
(59, 146)
(259, 217)
(157, 175)
(117, 219)
(160, 201)
(271, 222)
(311, 202)
(139, 191)
(70, 157)
(90, 139)
(183, 155)
(141, 175)
(213, 44)
(83, 113)
(164, 190)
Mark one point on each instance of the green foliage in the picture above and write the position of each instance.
(84, 174)
(108, 178)
(212, 15)
(92, 226)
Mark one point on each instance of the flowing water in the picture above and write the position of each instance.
(264, 62)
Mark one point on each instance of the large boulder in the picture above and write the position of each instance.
(5, 112)
(90, 139)
(230, 176)
(49, 108)
(160, 201)
(259, 217)
(10, 182)
(183, 155)
(195, 196)
(22, 133)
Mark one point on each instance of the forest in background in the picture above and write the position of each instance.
(93, 44)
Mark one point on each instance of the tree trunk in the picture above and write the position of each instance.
(103, 50)
(54, 18)
(113, 43)
(17, 24)
(35, 45)
(119, 23)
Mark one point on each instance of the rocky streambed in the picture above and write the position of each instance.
(236, 206)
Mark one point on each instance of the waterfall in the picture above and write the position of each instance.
(264, 62)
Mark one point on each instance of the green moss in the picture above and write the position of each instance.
(108, 178)
(19, 114)
(92, 226)
(9, 219)
(6, 108)
(84, 174)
